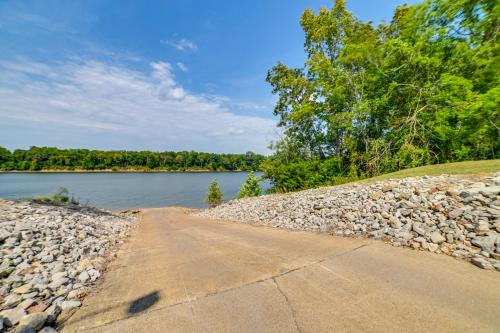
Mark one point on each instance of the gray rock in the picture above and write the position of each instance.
(486, 243)
(5, 271)
(69, 305)
(84, 276)
(11, 317)
(482, 263)
(48, 258)
(454, 214)
(34, 320)
(418, 228)
(52, 312)
(26, 303)
(94, 274)
(59, 275)
(47, 329)
(58, 282)
(12, 300)
(24, 329)
(437, 238)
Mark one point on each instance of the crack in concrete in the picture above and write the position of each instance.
(287, 301)
(222, 291)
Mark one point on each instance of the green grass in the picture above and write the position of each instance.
(469, 167)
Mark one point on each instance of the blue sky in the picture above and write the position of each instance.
(149, 75)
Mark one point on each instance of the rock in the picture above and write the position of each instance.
(69, 305)
(34, 320)
(4, 234)
(47, 329)
(12, 300)
(26, 303)
(77, 293)
(455, 214)
(418, 228)
(40, 307)
(433, 247)
(48, 258)
(30, 295)
(59, 275)
(460, 254)
(58, 282)
(396, 224)
(11, 317)
(5, 271)
(52, 312)
(84, 276)
(486, 243)
(94, 274)
(24, 329)
(482, 228)
(482, 263)
(23, 289)
(41, 248)
(419, 239)
(437, 238)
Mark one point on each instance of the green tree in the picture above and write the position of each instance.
(47, 158)
(422, 89)
(251, 187)
(214, 194)
(5, 157)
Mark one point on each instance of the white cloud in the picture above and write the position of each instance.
(182, 67)
(181, 44)
(128, 105)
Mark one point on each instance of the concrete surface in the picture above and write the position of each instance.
(179, 273)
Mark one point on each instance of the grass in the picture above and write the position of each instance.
(456, 168)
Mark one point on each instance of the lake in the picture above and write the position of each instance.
(124, 190)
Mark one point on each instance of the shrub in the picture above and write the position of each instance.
(250, 188)
(61, 197)
(214, 195)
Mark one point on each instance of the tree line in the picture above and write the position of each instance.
(421, 89)
(46, 158)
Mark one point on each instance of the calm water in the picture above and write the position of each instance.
(123, 190)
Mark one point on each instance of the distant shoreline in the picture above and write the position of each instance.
(120, 171)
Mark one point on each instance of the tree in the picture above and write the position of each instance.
(250, 188)
(47, 158)
(214, 194)
(422, 89)
(5, 156)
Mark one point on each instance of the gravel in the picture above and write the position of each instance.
(454, 215)
(50, 259)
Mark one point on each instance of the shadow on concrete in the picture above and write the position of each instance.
(143, 303)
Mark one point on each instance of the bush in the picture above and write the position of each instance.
(301, 174)
(61, 197)
(250, 188)
(214, 195)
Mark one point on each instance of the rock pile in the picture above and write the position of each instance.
(50, 256)
(454, 215)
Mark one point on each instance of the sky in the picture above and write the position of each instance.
(150, 75)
